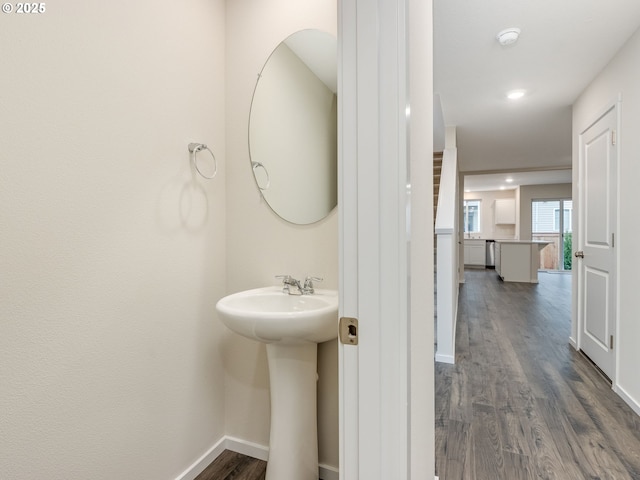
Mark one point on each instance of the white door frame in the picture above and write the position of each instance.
(386, 409)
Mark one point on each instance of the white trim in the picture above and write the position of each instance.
(614, 102)
(421, 334)
(573, 343)
(629, 400)
(445, 358)
(204, 461)
(244, 447)
(348, 396)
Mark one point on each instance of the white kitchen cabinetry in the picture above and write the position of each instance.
(505, 211)
(474, 253)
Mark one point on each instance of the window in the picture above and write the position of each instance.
(567, 217)
(550, 225)
(472, 216)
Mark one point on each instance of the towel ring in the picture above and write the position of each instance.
(194, 148)
(255, 165)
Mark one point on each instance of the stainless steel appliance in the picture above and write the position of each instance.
(490, 254)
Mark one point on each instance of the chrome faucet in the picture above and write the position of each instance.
(288, 281)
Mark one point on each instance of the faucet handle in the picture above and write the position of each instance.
(287, 282)
(308, 283)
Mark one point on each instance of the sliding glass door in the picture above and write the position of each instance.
(551, 222)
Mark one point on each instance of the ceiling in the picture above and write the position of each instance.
(562, 47)
(500, 181)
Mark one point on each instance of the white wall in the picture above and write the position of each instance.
(113, 250)
(538, 192)
(488, 228)
(259, 243)
(621, 76)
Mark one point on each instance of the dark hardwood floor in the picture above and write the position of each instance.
(234, 466)
(520, 402)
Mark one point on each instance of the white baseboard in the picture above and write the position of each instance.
(445, 358)
(573, 343)
(203, 462)
(635, 406)
(251, 449)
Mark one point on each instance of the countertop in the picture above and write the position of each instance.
(525, 242)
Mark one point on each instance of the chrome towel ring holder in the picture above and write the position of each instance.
(194, 148)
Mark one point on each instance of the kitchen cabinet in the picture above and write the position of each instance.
(505, 211)
(474, 253)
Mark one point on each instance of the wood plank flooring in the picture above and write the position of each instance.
(520, 403)
(234, 466)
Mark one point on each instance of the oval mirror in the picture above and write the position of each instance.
(293, 128)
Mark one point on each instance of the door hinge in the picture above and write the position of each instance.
(349, 330)
(613, 137)
(611, 342)
(613, 240)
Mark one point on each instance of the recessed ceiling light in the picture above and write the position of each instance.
(503, 187)
(515, 94)
(509, 180)
(508, 36)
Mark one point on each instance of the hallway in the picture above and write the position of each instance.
(521, 403)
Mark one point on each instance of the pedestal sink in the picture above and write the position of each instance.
(291, 326)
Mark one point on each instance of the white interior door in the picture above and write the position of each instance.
(596, 259)
(386, 387)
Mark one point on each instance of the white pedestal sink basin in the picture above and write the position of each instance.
(291, 326)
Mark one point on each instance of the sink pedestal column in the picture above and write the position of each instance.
(293, 443)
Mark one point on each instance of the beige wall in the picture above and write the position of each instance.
(488, 227)
(113, 250)
(259, 243)
(621, 77)
(560, 191)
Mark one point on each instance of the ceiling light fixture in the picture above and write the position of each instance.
(509, 180)
(515, 94)
(508, 36)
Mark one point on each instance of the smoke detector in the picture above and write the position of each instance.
(508, 36)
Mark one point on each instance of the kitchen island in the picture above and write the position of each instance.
(518, 260)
